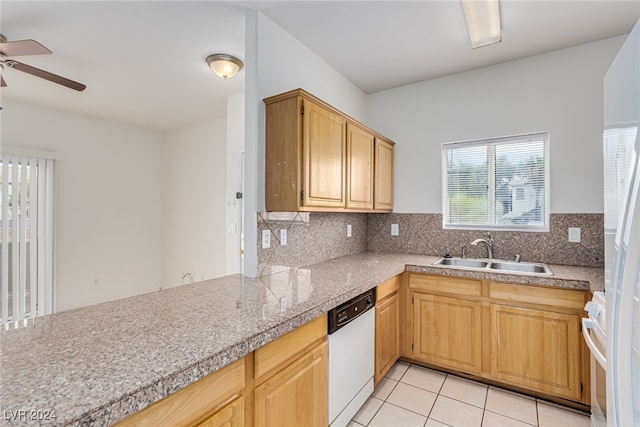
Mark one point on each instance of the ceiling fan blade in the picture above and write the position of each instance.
(2, 82)
(22, 48)
(45, 75)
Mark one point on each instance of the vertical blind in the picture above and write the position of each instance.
(26, 237)
(618, 148)
(500, 183)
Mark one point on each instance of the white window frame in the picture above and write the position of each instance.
(40, 285)
(490, 143)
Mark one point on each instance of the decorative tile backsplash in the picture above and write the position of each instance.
(317, 237)
(423, 234)
(311, 238)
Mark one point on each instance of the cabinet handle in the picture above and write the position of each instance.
(586, 325)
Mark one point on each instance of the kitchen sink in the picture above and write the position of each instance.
(462, 262)
(495, 265)
(523, 267)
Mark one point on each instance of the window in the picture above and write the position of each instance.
(26, 267)
(500, 183)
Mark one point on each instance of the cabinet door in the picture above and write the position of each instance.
(447, 332)
(231, 415)
(324, 151)
(359, 168)
(296, 396)
(536, 349)
(383, 175)
(387, 335)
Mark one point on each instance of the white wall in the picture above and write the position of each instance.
(235, 153)
(108, 203)
(558, 92)
(194, 204)
(276, 63)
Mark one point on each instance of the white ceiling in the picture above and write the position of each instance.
(144, 62)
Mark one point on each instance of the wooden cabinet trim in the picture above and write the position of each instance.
(283, 349)
(552, 297)
(387, 288)
(446, 285)
(306, 95)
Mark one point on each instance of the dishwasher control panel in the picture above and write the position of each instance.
(350, 310)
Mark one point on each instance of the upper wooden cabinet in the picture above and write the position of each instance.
(383, 175)
(360, 157)
(319, 159)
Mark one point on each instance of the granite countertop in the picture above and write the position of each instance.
(95, 365)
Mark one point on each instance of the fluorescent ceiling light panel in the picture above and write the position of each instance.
(483, 21)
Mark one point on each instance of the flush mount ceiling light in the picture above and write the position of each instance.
(483, 22)
(225, 66)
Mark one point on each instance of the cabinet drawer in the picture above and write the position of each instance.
(270, 356)
(445, 285)
(194, 401)
(561, 298)
(387, 288)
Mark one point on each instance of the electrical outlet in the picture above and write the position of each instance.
(266, 239)
(574, 235)
(283, 237)
(394, 230)
(348, 230)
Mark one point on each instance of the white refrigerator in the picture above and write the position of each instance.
(622, 233)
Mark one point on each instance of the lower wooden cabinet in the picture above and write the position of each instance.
(291, 375)
(231, 415)
(447, 332)
(296, 396)
(525, 336)
(387, 327)
(536, 349)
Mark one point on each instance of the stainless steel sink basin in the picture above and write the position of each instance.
(462, 262)
(495, 265)
(521, 267)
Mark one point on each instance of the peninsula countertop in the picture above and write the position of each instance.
(95, 365)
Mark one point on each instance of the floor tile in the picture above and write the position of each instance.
(354, 424)
(512, 405)
(551, 416)
(384, 388)
(393, 416)
(492, 419)
(466, 391)
(424, 378)
(397, 371)
(455, 413)
(368, 411)
(433, 423)
(412, 398)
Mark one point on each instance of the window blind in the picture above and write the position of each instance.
(26, 237)
(618, 148)
(500, 183)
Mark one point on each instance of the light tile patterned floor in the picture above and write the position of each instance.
(411, 395)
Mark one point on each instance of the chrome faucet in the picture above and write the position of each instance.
(488, 243)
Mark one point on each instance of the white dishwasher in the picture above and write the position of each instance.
(351, 357)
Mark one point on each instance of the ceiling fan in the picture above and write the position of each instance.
(25, 48)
